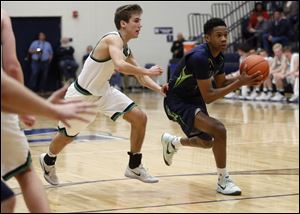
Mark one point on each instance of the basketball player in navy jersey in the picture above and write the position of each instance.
(191, 88)
(111, 53)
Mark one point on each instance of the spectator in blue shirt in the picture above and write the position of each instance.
(279, 31)
(41, 55)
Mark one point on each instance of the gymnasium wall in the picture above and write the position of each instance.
(96, 18)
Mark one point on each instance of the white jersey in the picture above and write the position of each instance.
(95, 74)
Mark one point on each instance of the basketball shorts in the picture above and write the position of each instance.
(113, 104)
(15, 155)
(183, 112)
(6, 192)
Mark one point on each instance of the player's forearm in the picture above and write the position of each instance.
(149, 83)
(127, 68)
(17, 98)
(216, 93)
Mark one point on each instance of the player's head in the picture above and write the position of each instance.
(215, 31)
(287, 51)
(128, 17)
(277, 49)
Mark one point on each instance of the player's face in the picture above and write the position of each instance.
(133, 27)
(218, 38)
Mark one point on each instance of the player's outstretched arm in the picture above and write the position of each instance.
(146, 80)
(115, 46)
(16, 98)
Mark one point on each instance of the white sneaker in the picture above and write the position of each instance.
(294, 98)
(228, 187)
(141, 174)
(49, 171)
(278, 97)
(252, 96)
(231, 95)
(168, 148)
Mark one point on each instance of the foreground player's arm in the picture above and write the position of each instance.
(16, 98)
(10, 61)
(115, 47)
(146, 80)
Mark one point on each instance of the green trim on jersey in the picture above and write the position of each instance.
(182, 77)
(80, 89)
(118, 114)
(19, 169)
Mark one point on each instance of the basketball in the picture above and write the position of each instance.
(256, 63)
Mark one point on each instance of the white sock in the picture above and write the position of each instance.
(222, 173)
(176, 142)
(51, 154)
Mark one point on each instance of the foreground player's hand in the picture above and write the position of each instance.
(74, 110)
(28, 120)
(58, 95)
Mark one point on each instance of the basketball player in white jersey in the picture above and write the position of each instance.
(15, 154)
(111, 53)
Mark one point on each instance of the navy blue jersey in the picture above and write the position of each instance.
(199, 64)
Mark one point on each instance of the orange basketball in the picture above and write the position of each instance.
(256, 63)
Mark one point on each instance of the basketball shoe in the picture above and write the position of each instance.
(141, 174)
(168, 148)
(49, 171)
(228, 187)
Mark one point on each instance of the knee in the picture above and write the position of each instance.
(139, 118)
(220, 131)
(142, 118)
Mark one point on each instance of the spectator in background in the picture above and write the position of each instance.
(277, 73)
(243, 50)
(292, 75)
(279, 31)
(291, 11)
(177, 47)
(89, 49)
(257, 24)
(66, 62)
(41, 55)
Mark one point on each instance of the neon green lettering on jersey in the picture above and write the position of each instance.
(182, 77)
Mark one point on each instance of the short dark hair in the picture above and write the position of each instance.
(287, 49)
(125, 12)
(212, 23)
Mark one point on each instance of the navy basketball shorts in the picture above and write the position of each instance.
(183, 111)
(6, 192)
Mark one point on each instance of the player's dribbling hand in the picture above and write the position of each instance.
(250, 80)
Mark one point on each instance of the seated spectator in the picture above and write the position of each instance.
(66, 62)
(257, 24)
(291, 11)
(177, 47)
(243, 50)
(278, 32)
(89, 49)
(277, 74)
(256, 90)
(292, 75)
